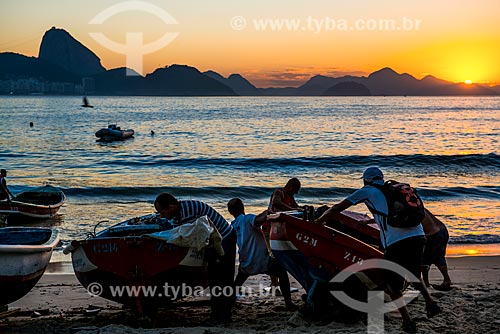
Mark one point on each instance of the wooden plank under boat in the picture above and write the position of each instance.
(40, 203)
(25, 252)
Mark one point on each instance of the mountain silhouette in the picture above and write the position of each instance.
(174, 80)
(236, 82)
(14, 65)
(65, 66)
(60, 48)
(386, 81)
(117, 82)
(348, 88)
(184, 80)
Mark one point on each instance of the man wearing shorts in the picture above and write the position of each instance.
(403, 246)
(435, 250)
(253, 253)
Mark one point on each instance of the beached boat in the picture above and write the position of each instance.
(25, 252)
(113, 132)
(40, 203)
(130, 255)
(357, 225)
(313, 254)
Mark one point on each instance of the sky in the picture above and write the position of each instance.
(274, 43)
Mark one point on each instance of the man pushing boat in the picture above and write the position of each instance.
(220, 268)
(402, 245)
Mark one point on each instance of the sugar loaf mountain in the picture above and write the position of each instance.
(65, 66)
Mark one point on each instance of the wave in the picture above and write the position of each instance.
(475, 239)
(255, 193)
(481, 161)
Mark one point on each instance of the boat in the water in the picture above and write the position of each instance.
(133, 255)
(25, 252)
(114, 132)
(313, 253)
(39, 203)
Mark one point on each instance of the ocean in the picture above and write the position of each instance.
(217, 148)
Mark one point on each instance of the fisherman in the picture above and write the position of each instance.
(282, 199)
(5, 193)
(253, 252)
(435, 250)
(220, 268)
(403, 246)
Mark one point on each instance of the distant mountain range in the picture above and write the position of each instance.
(64, 65)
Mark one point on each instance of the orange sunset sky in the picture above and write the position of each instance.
(453, 40)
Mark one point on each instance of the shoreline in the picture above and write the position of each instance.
(461, 250)
(61, 263)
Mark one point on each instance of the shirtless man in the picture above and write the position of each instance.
(435, 250)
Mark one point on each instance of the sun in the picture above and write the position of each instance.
(468, 82)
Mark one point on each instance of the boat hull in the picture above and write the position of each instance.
(312, 252)
(40, 203)
(152, 266)
(110, 134)
(24, 256)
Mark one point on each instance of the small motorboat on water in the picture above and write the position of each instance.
(25, 252)
(313, 254)
(113, 132)
(40, 203)
(142, 252)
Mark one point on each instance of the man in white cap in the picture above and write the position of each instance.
(403, 246)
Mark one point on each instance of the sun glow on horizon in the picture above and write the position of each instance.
(468, 82)
(275, 47)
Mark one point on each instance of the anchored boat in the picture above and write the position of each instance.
(113, 132)
(25, 252)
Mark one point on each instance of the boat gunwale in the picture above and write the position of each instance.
(47, 246)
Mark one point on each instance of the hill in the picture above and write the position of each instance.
(58, 47)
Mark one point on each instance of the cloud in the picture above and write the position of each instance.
(293, 77)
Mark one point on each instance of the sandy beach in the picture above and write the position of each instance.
(58, 304)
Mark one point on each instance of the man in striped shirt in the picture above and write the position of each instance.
(220, 269)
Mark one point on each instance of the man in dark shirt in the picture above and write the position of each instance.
(4, 191)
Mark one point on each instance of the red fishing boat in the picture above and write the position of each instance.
(39, 203)
(313, 254)
(357, 225)
(149, 271)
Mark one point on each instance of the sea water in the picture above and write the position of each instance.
(217, 148)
